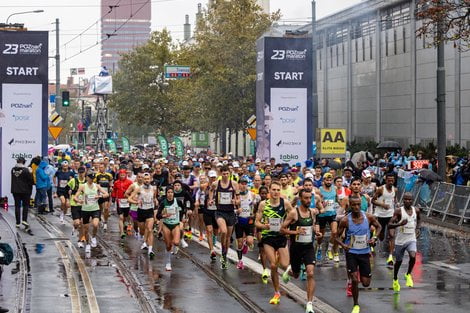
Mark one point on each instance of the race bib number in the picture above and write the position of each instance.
(390, 203)
(246, 208)
(359, 241)
(147, 205)
(171, 210)
(329, 205)
(225, 198)
(307, 237)
(409, 228)
(275, 224)
(212, 208)
(123, 203)
(91, 199)
(62, 183)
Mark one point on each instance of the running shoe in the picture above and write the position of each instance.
(143, 246)
(87, 249)
(302, 275)
(18, 225)
(396, 286)
(123, 235)
(80, 244)
(175, 250)
(390, 260)
(25, 224)
(265, 276)
(168, 267)
(184, 244)
(223, 263)
(319, 255)
(201, 237)
(151, 255)
(330, 255)
(349, 289)
(285, 275)
(309, 308)
(356, 309)
(245, 248)
(213, 255)
(188, 234)
(129, 228)
(93, 242)
(409, 280)
(276, 299)
(336, 257)
(240, 265)
(105, 226)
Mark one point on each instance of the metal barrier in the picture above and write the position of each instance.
(448, 200)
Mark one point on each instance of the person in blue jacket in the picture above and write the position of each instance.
(43, 183)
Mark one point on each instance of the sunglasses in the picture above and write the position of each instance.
(207, 168)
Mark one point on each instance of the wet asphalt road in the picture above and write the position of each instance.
(442, 278)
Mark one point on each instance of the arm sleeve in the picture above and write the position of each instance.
(183, 210)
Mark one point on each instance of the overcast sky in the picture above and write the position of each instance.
(77, 15)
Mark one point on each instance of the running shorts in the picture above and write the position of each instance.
(87, 215)
(276, 242)
(323, 220)
(301, 254)
(400, 250)
(209, 219)
(143, 215)
(123, 211)
(76, 212)
(103, 200)
(229, 217)
(244, 229)
(353, 261)
(62, 193)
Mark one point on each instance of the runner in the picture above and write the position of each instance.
(61, 178)
(183, 195)
(170, 212)
(202, 194)
(133, 206)
(88, 196)
(225, 195)
(146, 196)
(287, 191)
(407, 220)
(122, 204)
(300, 225)
(208, 214)
(328, 193)
(356, 246)
(76, 208)
(269, 219)
(384, 200)
(244, 228)
(263, 196)
(105, 180)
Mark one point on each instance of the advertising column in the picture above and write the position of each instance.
(284, 99)
(23, 99)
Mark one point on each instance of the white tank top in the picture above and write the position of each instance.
(146, 197)
(406, 233)
(387, 197)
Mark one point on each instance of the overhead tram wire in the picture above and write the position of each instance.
(80, 6)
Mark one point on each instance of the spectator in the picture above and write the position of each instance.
(43, 183)
(21, 188)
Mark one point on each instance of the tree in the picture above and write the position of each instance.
(142, 96)
(221, 92)
(453, 15)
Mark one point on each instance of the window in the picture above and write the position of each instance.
(357, 52)
(363, 50)
(404, 39)
(395, 41)
(370, 46)
(331, 57)
(337, 55)
(319, 58)
(342, 53)
(395, 16)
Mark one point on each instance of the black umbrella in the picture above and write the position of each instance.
(334, 165)
(427, 174)
(389, 144)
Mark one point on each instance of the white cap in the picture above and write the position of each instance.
(258, 160)
(212, 174)
(225, 162)
(145, 167)
(194, 159)
(201, 160)
(185, 163)
(236, 165)
(219, 164)
(111, 162)
(309, 175)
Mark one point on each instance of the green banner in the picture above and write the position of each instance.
(252, 147)
(179, 146)
(126, 147)
(200, 139)
(111, 145)
(163, 145)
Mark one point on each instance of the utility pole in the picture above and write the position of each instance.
(314, 73)
(441, 103)
(58, 96)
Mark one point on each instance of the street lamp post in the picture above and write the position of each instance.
(26, 12)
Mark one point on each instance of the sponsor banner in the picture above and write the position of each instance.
(284, 99)
(332, 142)
(417, 164)
(163, 143)
(126, 146)
(23, 99)
(179, 146)
(200, 139)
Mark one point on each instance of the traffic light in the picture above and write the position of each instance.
(65, 98)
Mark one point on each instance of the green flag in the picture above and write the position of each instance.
(111, 145)
(126, 147)
(163, 145)
(179, 146)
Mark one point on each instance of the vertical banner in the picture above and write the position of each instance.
(284, 99)
(111, 145)
(23, 99)
(179, 146)
(163, 145)
(126, 147)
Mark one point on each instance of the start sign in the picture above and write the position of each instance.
(332, 142)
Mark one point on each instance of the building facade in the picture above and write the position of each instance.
(126, 25)
(378, 80)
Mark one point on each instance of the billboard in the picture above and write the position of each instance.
(284, 99)
(23, 99)
(332, 142)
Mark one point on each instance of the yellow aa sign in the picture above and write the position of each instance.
(332, 142)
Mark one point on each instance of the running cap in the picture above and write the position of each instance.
(185, 163)
(212, 174)
(348, 169)
(64, 163)
(145, 167)
(236, 165)
(366, 174)
(308, 175)
(328, 175)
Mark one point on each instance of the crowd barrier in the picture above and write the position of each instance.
(449, 202)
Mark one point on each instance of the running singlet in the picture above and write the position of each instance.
(407, 232)
(74, 184)
(306, 223)
(104, 180)
(224, 197)
(387, 197)
(358, 235)
(329, 198)
(288, 193)
(91, 201)
(364, 204)
(173, 208)
(133, 206)
(63, 179)
(274, 216)
(146, 197)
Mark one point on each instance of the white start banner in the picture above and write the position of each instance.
(288, 113)
(24, 100)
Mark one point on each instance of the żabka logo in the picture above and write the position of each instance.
(24, 155)
(289, 157)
